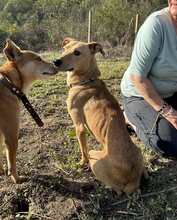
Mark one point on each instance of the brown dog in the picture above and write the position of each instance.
(22, 68)
(119, 164)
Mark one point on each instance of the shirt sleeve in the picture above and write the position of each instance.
(147, 46)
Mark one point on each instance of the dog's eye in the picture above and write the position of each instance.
(77, 53)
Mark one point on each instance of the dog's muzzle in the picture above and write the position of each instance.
(57, 62)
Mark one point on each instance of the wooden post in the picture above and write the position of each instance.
(136, 24)
(89, 26)
(136, 27)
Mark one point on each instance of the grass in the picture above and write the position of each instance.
(112, 68)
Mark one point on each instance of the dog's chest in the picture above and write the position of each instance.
(78, 98)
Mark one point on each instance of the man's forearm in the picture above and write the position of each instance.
(147, 90)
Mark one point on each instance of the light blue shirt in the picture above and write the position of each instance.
(154, 56)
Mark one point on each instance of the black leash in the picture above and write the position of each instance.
(24, 100)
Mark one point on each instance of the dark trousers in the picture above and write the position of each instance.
(163, 137)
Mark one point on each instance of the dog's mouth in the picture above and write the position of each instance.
(70, 69)
(52, 72)
(47, 73)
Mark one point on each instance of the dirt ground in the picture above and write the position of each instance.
(58, 188)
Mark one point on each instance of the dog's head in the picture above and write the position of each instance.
(30, 64)
(78, 56)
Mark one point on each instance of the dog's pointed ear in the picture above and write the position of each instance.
(12, 51)
(95, 48)
(66, 41)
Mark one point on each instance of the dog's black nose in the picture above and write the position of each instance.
(57, 62)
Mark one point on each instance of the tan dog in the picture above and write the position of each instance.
(119, 164)
(22, 68)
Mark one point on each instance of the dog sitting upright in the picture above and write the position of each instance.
(119, 164)
(21, 69)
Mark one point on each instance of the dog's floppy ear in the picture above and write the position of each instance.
(11, 50)
(66, 41)
(95, 48)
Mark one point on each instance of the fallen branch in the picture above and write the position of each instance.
(147, 195)
(127, 213)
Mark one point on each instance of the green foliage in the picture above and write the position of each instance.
(17, 11)
(42, 24)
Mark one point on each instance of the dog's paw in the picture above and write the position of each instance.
(83, 162)
(19, 179)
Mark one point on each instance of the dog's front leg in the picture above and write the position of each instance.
(80, 132)
(11, 149)
(78, 120)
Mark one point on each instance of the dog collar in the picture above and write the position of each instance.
(84, 82)
(20, 95)
(19, 74)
